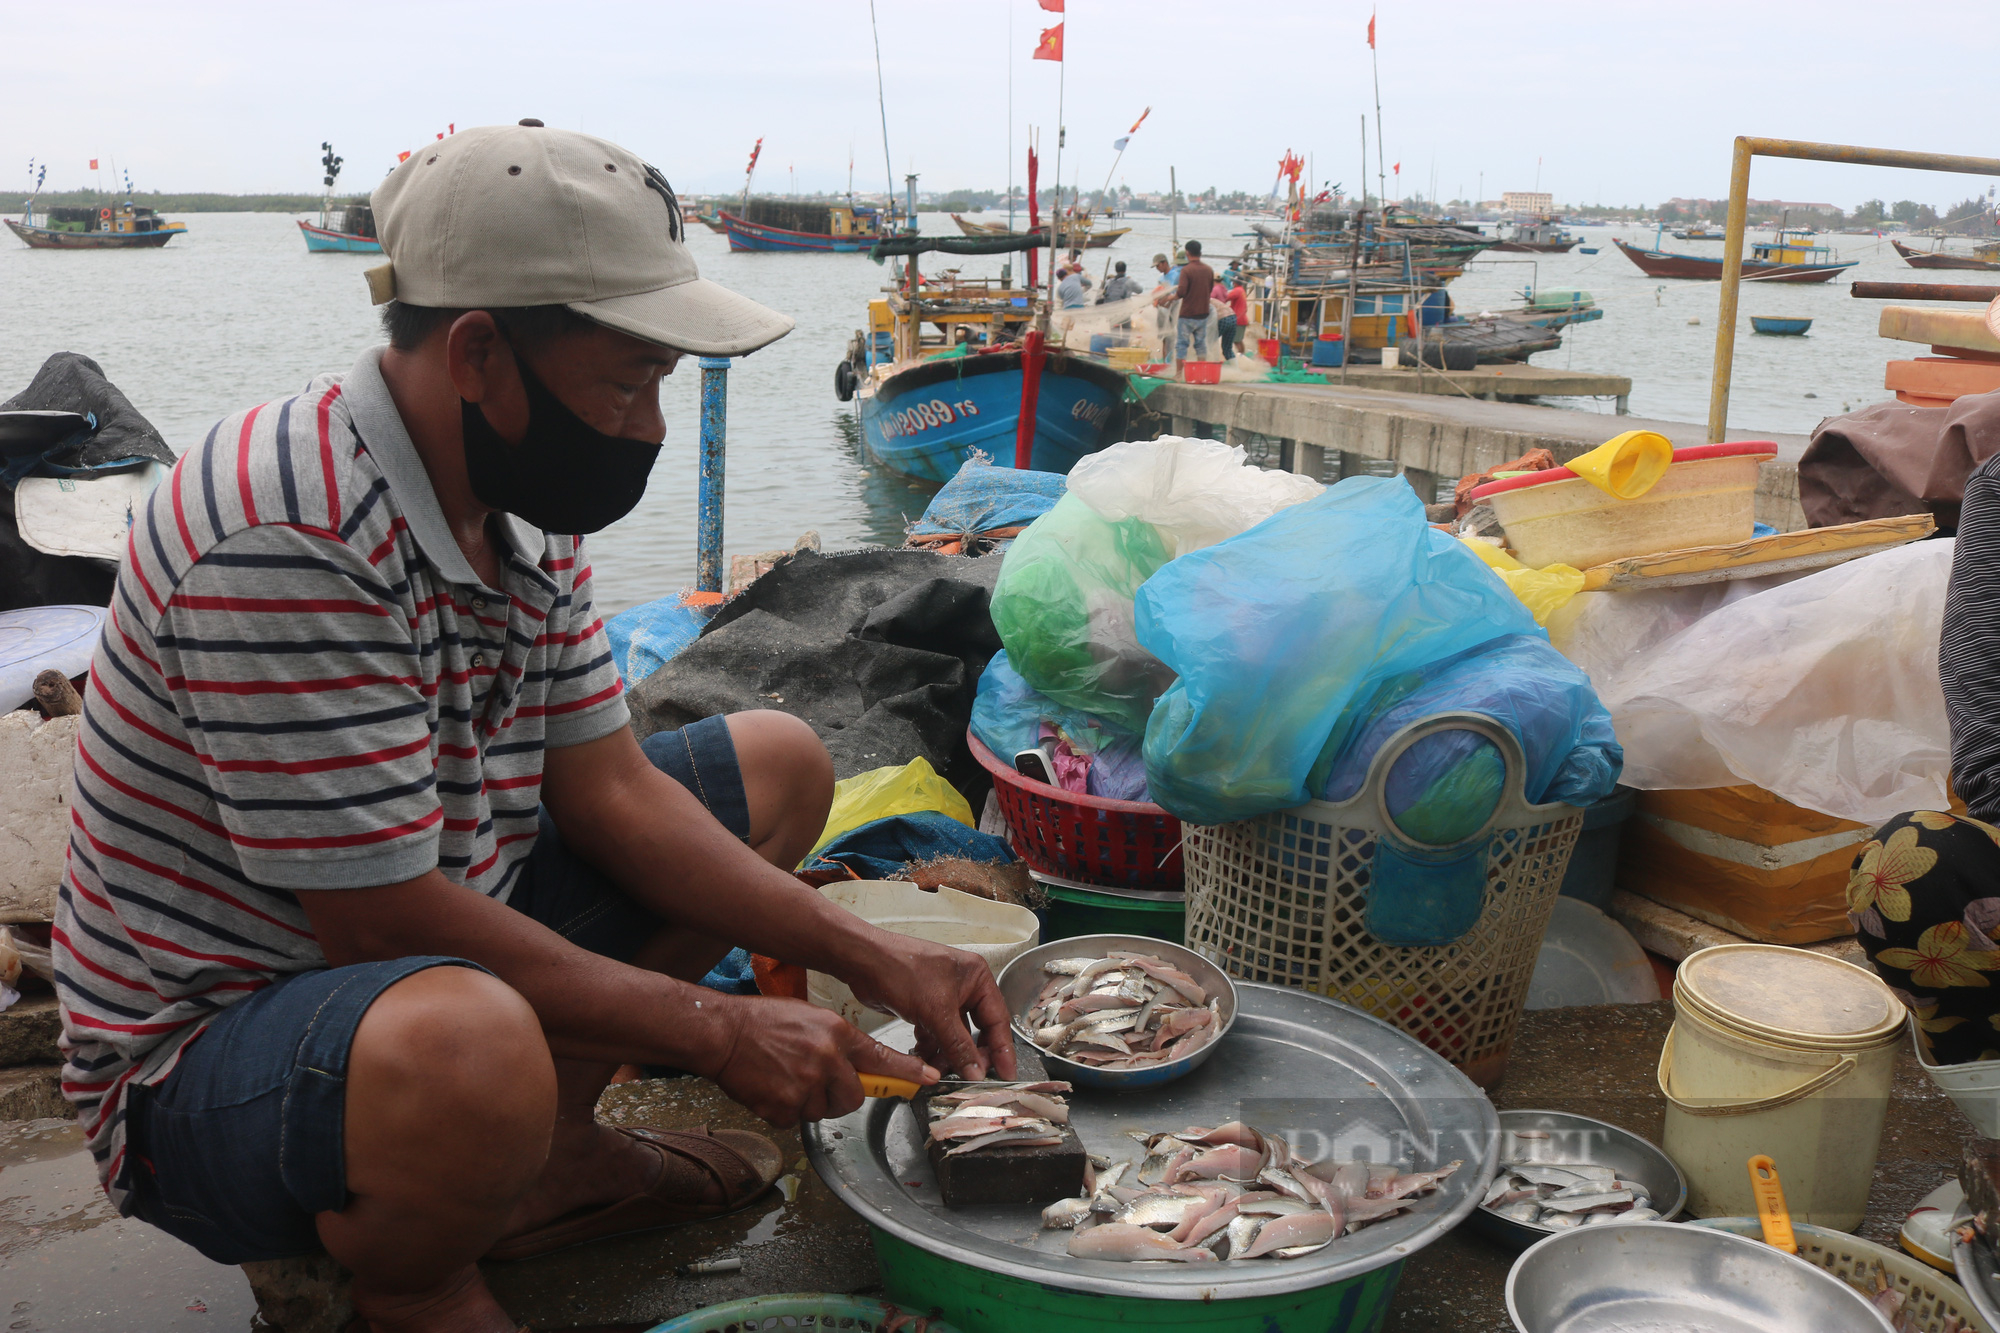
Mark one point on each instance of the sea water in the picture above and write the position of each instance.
(237, 312)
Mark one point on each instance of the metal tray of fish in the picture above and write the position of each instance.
(1333, 1081)
(1976, 1272)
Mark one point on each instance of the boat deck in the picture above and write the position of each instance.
(1432, 435)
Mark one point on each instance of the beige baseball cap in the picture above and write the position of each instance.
(501, 216)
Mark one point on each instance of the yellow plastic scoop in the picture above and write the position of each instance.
(1769, 1192)
(1627, 465)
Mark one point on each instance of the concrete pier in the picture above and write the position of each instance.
(1501, 383)
(1331, 431)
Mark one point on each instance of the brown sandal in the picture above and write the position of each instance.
(742, 1164)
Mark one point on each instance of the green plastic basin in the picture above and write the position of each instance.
(1072, 912)
(978, 1301)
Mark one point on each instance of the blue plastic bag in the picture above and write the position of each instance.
(982, 497)
(1282, 636)
(645, 638)
(1444, 786)
(1007, 717)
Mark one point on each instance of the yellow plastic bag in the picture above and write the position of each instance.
(881, 792)
(1543, 591)
(1627, 465)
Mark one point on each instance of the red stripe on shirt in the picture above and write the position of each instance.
(326, 457)
(243, 466)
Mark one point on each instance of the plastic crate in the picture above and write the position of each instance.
(1201, 372)
(1091, 839)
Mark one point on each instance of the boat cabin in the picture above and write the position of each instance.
(118, 219)
(1791, 247)
(946, 313)
(351, 220)
(815, 219)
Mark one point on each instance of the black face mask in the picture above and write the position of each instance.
(564, 476)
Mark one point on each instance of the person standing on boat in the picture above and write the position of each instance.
(1195, 291)
(1119, 286)
(1073, 292)
(372, 888)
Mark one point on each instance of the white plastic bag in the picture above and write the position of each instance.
(1823, 689)
(1196, 492)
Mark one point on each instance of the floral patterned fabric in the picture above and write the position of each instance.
(1924, 898)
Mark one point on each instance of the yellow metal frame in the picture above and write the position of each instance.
(1748, 147)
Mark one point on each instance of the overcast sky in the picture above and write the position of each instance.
(1620, 102)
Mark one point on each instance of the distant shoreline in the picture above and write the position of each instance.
(188, 203)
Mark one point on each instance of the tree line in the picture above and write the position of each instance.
(192, 203)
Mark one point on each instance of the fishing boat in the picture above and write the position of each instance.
(1543, 237)
(1789, 257)
(123, 226)
(1700, 231)
(347, 230)
(1985, 257)
(938, 374)
(1779, 324)
(785, 224)
(1078, 233)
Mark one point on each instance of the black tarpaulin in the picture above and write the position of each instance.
(72, 382)
(879, 651)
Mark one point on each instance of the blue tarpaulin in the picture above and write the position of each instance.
(983, 497)
(644, 638)
(881, 848)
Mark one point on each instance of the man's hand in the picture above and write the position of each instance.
(937, 989)
(790, 1062)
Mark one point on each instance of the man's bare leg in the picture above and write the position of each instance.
(449, 1110)
(788, 778)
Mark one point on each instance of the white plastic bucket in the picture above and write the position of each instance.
(1974, 1085)
(1391, 357)
(997, 932)
(1783, 1052)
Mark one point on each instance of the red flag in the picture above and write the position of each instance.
(755, 149)
(1398, 168)
(451, 128)
(1371, 30)
(93, 164)
(1050, 47)
(1140, 121)
(1053, 6)
(403, 156)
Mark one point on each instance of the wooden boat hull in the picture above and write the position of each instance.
(1661, 264)
(744, 235)
(47, 238)
(1942, 259)
(1096, 240)
(323, 240)
(925, 421)
(1536, 247)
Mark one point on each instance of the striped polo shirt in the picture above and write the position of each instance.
(302, 685)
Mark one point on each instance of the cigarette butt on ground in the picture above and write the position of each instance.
(706, 1266)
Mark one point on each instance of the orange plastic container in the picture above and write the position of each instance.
(1202, 372)
(1270, 349)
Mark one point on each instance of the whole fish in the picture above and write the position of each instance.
(1040, 1138)
(1167, 1211)
(1065, 1213)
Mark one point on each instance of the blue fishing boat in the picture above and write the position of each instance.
(354, 235)
(1778, 324)
(924, 420)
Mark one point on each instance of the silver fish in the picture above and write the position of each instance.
(1162, 1210)
(1305, 1231)
(1066, 967)
(1117, 1240)
(1518, 1212)
(1065, 1213)
(1584, 1203)
(1040, 1138)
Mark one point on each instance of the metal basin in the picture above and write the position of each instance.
(1650, 1277)
(1579, 1139)
(1022, 980)
(1976, 1272)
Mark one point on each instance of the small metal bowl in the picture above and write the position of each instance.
(1578, 1138)
(1652, 1275)
(1022, 980)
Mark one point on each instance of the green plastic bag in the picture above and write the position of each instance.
(1063, 607)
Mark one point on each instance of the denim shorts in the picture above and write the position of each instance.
(239, 1148)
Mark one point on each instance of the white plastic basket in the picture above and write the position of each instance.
(1973, 1085)
(1286, 898)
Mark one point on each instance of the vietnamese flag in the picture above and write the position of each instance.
(1053, 6)
(93, 164)
(1050, 47)
(1371, 31)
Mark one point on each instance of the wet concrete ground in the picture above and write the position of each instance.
(68, 1263)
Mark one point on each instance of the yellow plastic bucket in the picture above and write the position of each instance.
(1783, 1052)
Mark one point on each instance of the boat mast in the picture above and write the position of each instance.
(1381, 158)
(331, 163)
(882, 103)
(1010, 118)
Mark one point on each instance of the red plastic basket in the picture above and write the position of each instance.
(1127, 844)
